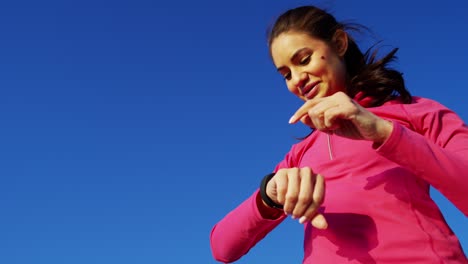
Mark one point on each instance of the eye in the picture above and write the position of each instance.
(305, 60)
(287, 76)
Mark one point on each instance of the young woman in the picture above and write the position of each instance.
(360, 181)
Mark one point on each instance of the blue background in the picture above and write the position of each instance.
(129, 128)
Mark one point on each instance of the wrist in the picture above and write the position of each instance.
(384, 128)
(263, 192)
(266, 211)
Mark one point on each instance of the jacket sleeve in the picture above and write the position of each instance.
(436, 149)
(243, 227)
(240, 230)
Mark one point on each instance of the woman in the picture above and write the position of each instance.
(360, 181)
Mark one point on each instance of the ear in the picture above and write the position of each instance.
(340, 41)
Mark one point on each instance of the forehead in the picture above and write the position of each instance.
(286, 44)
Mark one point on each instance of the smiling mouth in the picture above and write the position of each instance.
(310, 91)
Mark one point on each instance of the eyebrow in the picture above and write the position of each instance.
(293, 57)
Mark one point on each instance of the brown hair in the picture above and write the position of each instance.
(367, 74)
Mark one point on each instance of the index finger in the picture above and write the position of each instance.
(302, 111)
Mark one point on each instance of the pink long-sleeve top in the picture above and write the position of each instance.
(377, 203)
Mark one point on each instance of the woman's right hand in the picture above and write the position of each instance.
(301, 192)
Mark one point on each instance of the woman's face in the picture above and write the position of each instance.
(311, 67)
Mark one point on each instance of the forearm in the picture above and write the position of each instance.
(241, 229)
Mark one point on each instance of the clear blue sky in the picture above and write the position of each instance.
(129, 128)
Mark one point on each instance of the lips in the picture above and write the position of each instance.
(310, 91)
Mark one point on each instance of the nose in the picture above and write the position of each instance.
(299, 80)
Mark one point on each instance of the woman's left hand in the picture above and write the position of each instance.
(343, 116)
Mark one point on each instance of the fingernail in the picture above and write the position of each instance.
(291, 119)
(323, 225)
(302, 219)
(320, 222)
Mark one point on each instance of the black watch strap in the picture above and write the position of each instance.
(264, 195)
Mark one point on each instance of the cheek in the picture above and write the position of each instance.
(337, 72)
(341, 74)
(319, 66)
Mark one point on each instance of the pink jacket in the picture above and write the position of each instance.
(377, 203)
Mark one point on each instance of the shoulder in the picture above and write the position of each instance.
(426, 110)
(432, 119)
(297, 150)
(417, 115)
(423, 104)
(418, 104)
